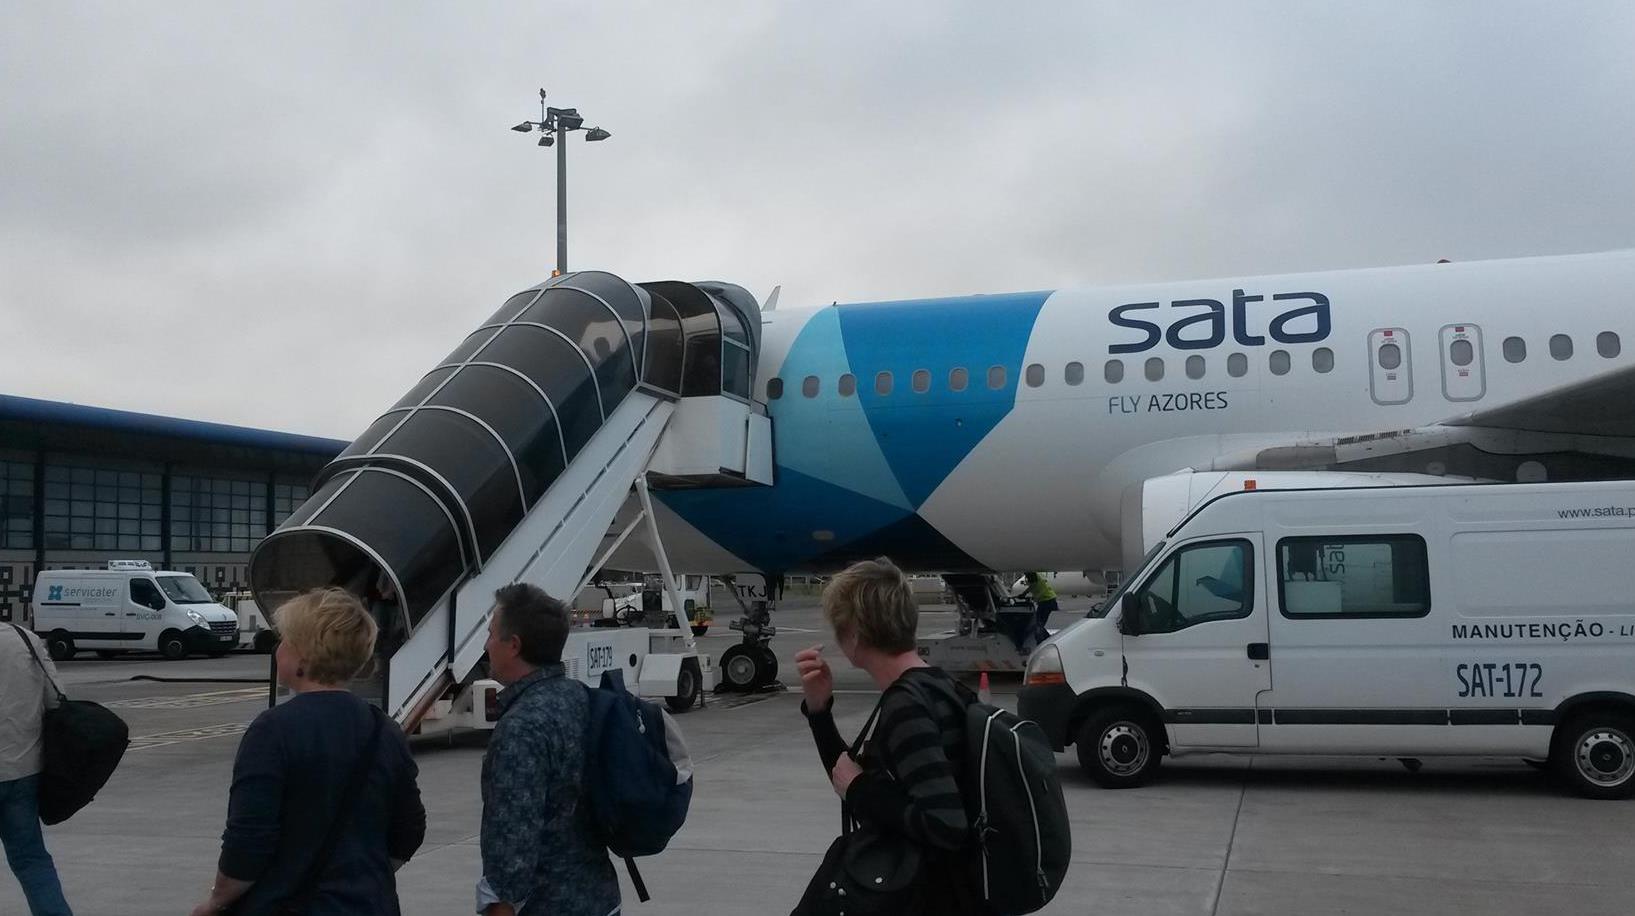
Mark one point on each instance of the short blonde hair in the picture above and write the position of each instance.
(873, 600)
(330, 630)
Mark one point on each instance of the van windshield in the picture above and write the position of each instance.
(1112, 601)
(185, 590)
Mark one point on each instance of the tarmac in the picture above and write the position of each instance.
(1214, 835)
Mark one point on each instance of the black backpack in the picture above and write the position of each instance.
(83, 743)
(638, 778)
(1018, 815)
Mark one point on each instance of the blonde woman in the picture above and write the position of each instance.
(324, 805)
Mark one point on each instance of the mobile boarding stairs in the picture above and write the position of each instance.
(509, 462)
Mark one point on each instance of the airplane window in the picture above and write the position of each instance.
(1515, 349)
(847, 385)
(809, 386)
(882, 384)
(958, 379)
(1073, 374)
(1237, 365)
(1113, 371)
(922, 381)
(996, 377)
(1035, 375)
(1561, 346)
(1607, 344)
(774, 389)
(1279, 362)
(1322, 359)
(1155, 369)
(1195, 367)
(1461, 352)
(1390, 357)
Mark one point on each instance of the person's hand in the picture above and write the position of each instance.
(816, 680)
(846, 770)
(500, 909)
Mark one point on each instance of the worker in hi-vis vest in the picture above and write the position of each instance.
(1044, 602)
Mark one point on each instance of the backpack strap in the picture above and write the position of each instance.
(29, 644)
(301, 900)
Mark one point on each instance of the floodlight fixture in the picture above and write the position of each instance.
(596, 133)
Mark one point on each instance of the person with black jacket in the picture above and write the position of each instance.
(298, 837)
(907, 781)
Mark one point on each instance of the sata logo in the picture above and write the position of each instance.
(54, 593)
(1207, 329)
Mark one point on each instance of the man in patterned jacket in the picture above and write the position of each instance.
(539, 855)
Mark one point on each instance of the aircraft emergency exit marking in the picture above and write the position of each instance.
(1173, 402)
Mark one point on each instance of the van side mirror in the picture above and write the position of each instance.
(1129, 616)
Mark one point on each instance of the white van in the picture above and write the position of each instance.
(1485, 620)
(129, 607)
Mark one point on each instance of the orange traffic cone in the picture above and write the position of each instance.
(983, 693)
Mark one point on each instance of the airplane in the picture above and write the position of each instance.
(970, 435)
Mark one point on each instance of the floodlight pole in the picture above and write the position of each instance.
(561, 201)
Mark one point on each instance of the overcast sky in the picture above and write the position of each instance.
(282, 214)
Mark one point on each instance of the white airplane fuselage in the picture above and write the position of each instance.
(1071, 397)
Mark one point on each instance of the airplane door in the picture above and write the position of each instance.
(1464, 377)
(1390, 366)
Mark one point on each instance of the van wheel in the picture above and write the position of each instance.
(1596, 755)
(172, 646)
(1120, 748)
(106, 654)
(59, 646)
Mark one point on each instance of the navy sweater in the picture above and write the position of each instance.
(289, 779)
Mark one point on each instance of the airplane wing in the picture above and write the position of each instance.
(1600, 406)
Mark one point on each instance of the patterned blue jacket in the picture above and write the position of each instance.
(536, 843)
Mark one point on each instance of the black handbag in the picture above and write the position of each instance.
(83, 743)
(864, 872)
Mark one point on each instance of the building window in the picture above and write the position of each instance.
(16, 505)
(1608, 345)
(1322, 359)
(958, 379)
(1195, 367)
(287, 497)
(774, 389)
(809, 386)
(1113, 372)
(1073, 374)
(847, 386)
(1237, 365)
(996, 377)
(1369, 575)
(1278, 362)
(1561, 347)
(90, 508)
(921, 381)
(216, 514)
(1034, 375)
(1155, 369)
(882, 384)
(1515, 349)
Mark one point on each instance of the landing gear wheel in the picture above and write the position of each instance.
(768, 672)
(1595, 754)
(1119, 748)
(172, 646)
(688, 686)
(740, 666)
(59, 646)
(107, 654)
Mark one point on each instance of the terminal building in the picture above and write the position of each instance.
(80, 486)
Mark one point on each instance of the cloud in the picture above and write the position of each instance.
(282, 214)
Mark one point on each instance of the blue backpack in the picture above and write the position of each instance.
(638, 777)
